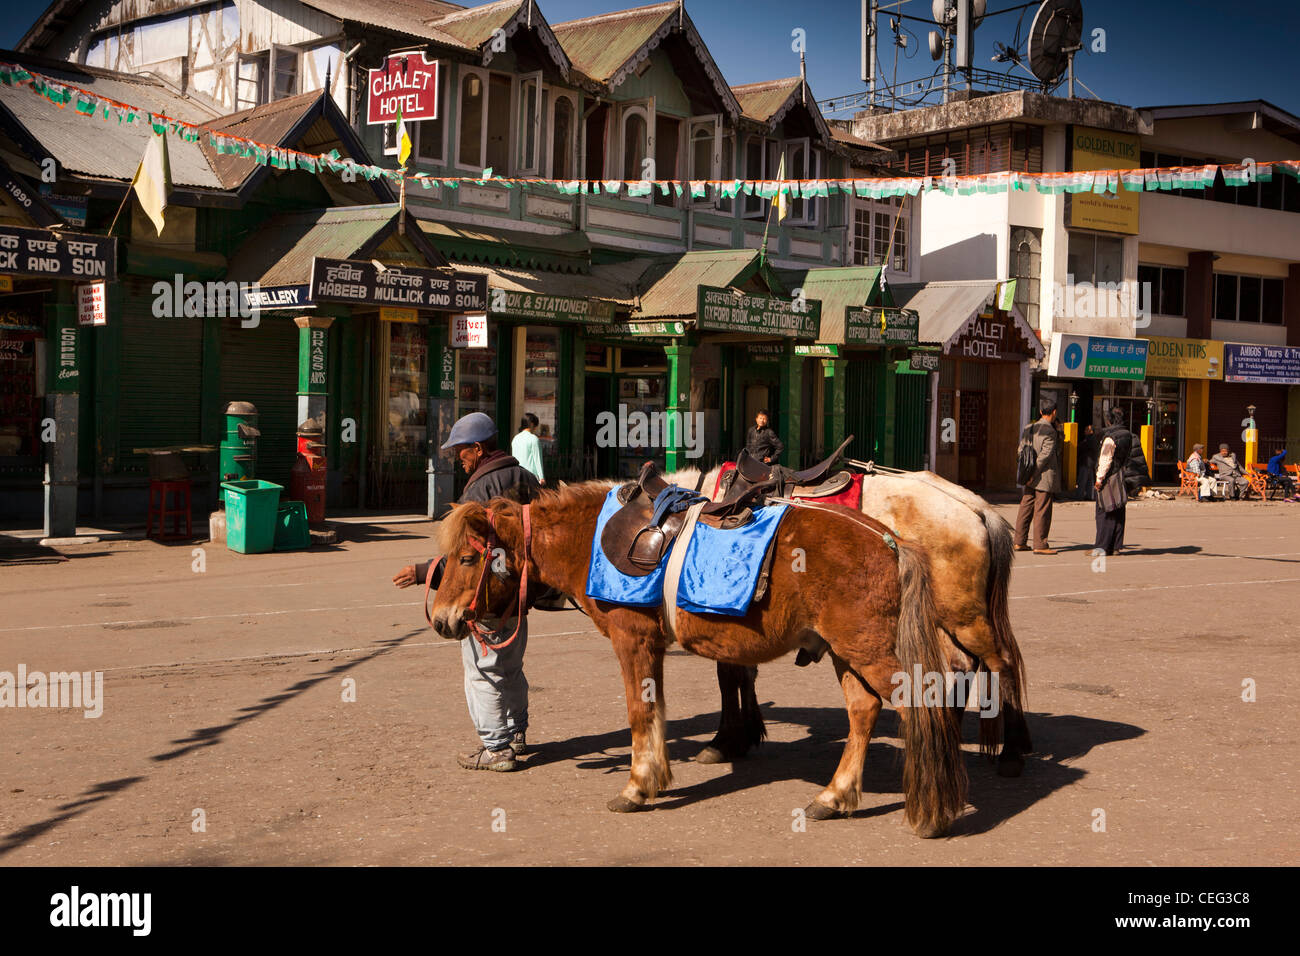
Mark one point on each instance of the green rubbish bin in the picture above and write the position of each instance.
(291, 531)
(251, 508)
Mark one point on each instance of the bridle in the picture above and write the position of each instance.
(485, 550)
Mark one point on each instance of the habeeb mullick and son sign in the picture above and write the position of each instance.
(361, 283)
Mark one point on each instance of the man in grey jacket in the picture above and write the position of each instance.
(1036, 498)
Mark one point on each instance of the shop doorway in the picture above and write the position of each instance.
(598, 398)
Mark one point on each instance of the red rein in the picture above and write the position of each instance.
(485, 549)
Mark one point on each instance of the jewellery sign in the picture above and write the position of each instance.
(469, 331)
(361, 283)
(881, 327)
(722, 310)
(36, 252)
(406, 81)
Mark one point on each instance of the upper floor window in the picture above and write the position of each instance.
(1093, 258)
(483, 138)
(1240, 298)
(1281, 192)
(564, 121)
(1027, 270)
(880, 234)
(803, 162)
(636, 143)
(529, 133)
(1016, 147)
(1161, 289)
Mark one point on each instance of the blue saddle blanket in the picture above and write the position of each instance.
(719, 574)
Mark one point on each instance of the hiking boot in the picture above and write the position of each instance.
(1022, 547)
(483, 759)
(518, 744)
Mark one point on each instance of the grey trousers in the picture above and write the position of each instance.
(495, 687)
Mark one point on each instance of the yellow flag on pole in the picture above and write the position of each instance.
(782, 200)
(403, 140)
(153, 180)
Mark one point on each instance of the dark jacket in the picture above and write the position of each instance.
(763, 443)
(1136, 473)
(498, 475)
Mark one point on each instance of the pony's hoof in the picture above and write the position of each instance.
(711, 755)
(931, 831)
(1010, 767)
(819, 811)
(622, 804)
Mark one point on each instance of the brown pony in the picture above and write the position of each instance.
(859, 590)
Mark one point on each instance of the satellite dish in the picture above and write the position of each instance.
(936, 45)
(1057, 30)
(945, 11)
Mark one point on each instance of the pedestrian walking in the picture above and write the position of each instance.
(761, 440)
(496, 690)
(1112, 495)
(527, 447)
(1040, 475)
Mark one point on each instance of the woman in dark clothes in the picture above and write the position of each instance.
(1116, 448)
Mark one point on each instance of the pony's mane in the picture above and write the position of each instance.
(456, 526)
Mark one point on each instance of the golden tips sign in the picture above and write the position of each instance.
(1110, 212)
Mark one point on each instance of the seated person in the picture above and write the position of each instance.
(1277, 476)
(1196, 465)
(1230, 472)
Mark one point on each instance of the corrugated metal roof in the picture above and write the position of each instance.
(837, 289)
(599, 46)
(944, 307)
(563, 252)
(269, 123)
(474, 26)
(760, 101)
(615, 282)
(412, 17)
(93, 146)
(669, 287)
(280, 252)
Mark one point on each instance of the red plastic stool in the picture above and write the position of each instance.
(158, 492)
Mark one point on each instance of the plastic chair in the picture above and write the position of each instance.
(1187, 482)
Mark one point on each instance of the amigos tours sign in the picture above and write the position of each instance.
(1117, 211)
(723, 310)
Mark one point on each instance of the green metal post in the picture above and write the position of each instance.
(833, 372)
(791, 405)
(679, 403)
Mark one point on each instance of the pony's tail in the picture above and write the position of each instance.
(1001, 552)
(934, 771)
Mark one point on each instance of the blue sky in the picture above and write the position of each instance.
(1158, 52)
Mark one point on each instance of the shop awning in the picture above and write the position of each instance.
(280, 254)
(565, 252)
(669, 288)
(838, 289)
(541, 297)
(949, 310)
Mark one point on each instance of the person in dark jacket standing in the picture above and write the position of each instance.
(761, 440)
(1036, 499)
(495, 687)
(1116, 451)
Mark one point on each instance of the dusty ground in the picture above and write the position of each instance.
(223, 694)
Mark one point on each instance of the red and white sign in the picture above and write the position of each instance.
(469, 331)
(91, 304)
(407, 80)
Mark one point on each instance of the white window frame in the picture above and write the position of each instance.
(646, 110)
(519, 98)
(705, 122)
(764, 155)
(467, 71)
(557, 95)
(812, 170)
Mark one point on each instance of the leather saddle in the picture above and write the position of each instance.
(640, 534)
(818, 481)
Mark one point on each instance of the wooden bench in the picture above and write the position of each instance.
(1188, 483)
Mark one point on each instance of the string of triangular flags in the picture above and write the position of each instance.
(1101, 181)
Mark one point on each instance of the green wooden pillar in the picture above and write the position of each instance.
(60, 428)
(883, 408)
(577, 378)
(679, 403)
(212, 421)
(833, 372)
(791, 405)
(313, 366)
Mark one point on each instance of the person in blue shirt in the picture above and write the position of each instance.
(1277, 476)
(527, 447)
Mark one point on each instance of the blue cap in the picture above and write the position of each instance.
(470, 428)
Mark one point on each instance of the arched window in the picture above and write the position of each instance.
(470, 141)
(636, 146)
(562, 137)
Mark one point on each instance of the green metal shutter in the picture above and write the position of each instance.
(161, 377)
(910, 425)
(859, 386)
(260, 365)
